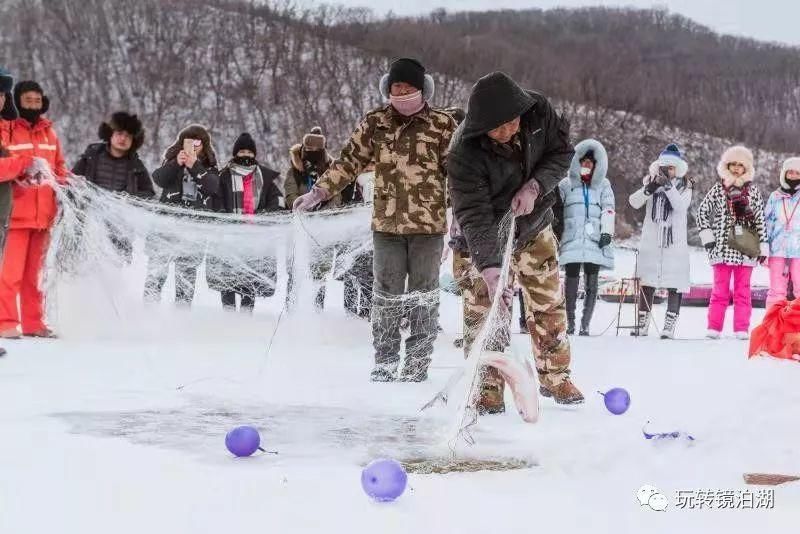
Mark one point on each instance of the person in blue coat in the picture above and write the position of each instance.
(589, 214)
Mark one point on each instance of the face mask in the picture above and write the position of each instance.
(586, 171)
(30, 115)
(409, 104)
(793, 184)
(245, 161)
(315, 157)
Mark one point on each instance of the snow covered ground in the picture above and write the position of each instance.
(119, 427)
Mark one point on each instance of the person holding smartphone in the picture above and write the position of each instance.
(663, 251)
(189, 178)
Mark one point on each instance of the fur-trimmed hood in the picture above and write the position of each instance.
(600, 158)
(791, 164)
(736, 154)
(122, 121)
(296, 154)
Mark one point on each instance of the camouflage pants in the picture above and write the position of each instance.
(535, 267)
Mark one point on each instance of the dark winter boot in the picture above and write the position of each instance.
(571, 296)
(384, 372)
(564, 393)
(643, 322)
(2, 352)
(415, 371)
(670, 323)
(491, 400)
(589, 301)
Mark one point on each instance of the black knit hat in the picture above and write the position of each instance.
(244, 142)
(122, 121)
(27, 86)
(9, 111)
(407, 70)
(495, 100)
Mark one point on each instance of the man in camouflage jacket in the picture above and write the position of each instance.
(406, 141)
(509, 154)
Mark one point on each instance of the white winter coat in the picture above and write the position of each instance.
(664, 261)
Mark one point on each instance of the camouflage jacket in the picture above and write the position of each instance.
(410, 180)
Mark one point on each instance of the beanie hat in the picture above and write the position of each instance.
(122, 121)
(671, 156)
(244, 142)
(407, 70)
(9, 111)
(314, 140)
(791, 164)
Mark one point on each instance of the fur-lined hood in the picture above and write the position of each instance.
(736, 154)
(125, 122)
(791, 164)
(296, 154)
(600, 158)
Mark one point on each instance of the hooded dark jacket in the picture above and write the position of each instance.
(485, 176)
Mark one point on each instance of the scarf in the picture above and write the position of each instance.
(739, 202)
(662, 210)
(238, 175)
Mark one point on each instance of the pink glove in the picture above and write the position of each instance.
(310, 200)
(525, 199)
(491, 275)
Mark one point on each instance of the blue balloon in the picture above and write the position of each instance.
(384, 480)
(617, 400)
(243, 441)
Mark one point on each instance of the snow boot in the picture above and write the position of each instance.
(43, 333)
(589, 300)
(564, 393)
(384, 372)
(571, 295)
(414, 372)
(491, 400)
(670, 323)
(643, 322)
(11, 333)
(742, 336)
(713, 334)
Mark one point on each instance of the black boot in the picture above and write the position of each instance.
(589, 300)
(571, 296)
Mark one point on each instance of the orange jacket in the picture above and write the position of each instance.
(34, 205)
(779, 334)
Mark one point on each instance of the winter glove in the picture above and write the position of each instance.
(37, 170)
(605, 240)
(710, 246)
(310, 200)
(491, 275)
(651, 187)
(525, 199)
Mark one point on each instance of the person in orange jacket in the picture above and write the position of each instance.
(32, 215)
(11, 167)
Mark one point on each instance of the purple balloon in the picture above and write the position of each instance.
(243, 440)
(617, 400)
(384, 480)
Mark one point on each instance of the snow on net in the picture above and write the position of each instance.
(124, 248)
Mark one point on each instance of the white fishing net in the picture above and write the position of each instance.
(102, 239)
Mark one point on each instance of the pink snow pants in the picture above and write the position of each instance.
(778, 282)
(721, 296)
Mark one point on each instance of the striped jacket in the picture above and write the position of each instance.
(34, 206)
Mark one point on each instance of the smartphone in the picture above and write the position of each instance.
(188, 146)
